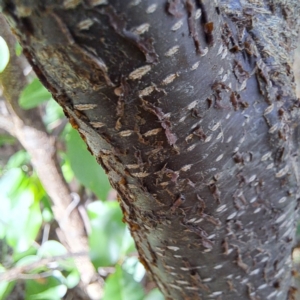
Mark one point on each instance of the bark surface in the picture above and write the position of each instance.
(190, 108)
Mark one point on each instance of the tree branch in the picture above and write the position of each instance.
(7, 124)
(20, 272)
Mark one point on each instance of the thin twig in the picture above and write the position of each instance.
(20, 272)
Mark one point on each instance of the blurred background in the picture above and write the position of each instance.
(61, 229)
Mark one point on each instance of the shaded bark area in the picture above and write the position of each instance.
(190, 107)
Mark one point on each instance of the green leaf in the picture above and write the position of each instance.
(9, 184)
(47, 215)
(6, 288)
(6, 139)
(72, 279)
(17, 160)
(33, 94)
(53, 112)
(66, 168)
(27, 260)
(4, 54)
(85, 167)
(33, 223)
(49, 288)
(121, 286)
(54, 293)
(51, 248)
(18, 256)
(19, 210)
(109, 239)
(24, 213)
(18, 49)
(36, 187)
(133, 266)
(155, 294)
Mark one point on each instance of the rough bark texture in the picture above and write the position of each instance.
(190, 107)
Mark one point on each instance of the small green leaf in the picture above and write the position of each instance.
(51, 248)
(17, 256)
(133, 266)
(10, 182)
(85, 167)
(18, 159)
(6, 288)
(47, 215)
(24, 213)
(53, 112)
(27, 260)
(6, 139)
(108, 235)
(4, 54)
(33, 94)
(18, 49)
(121, 286)
(66, 168)
(49, 288)
(33, 223)
(19, 209)
(72, 279)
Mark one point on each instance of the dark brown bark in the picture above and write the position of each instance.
(190, 107)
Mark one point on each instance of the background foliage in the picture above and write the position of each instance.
(27, 221)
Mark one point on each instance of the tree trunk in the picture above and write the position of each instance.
(190, 108)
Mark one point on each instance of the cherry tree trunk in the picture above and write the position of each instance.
(190, 108)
